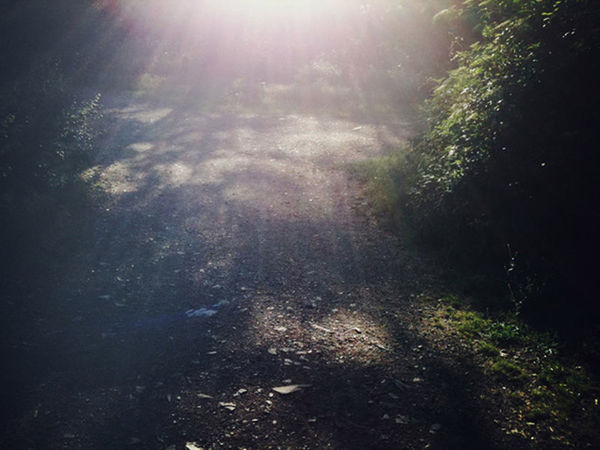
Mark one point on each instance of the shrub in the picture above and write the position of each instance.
(508, 158)
(46, 135)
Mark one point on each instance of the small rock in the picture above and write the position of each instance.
(220, 303)
(240, 392)
(280, 329)
(201, 312)
(192, 446)
(435, 428)
(403, 420)
(289, 388)
(228, 405)
(319, 327)
(272, 351)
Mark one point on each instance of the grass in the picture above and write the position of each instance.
(546, 391)
(503, 370)
(384, 182)
(488, 349)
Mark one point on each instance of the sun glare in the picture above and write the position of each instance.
(267, 39)
(272, 9)
(283, 6)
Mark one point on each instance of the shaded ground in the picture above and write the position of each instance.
(255, 218)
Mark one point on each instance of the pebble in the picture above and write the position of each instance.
(435, 428)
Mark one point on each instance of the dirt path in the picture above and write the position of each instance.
(256, 220)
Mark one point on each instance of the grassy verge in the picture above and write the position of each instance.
(384, 181)
(550, 395)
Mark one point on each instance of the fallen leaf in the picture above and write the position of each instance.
(192, 446)
(228, 405)
(319, 327)
(290, 388)
(240, 392)
(435, 428)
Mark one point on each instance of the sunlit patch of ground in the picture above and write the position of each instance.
(142, 113)
(340, 335)
(282, 165)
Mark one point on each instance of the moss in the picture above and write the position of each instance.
(555, 396)
(472, 324)
(488, 349)
(503, 370)
(437, 323)
(451, 300)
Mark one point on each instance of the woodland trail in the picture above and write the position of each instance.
(254, 218)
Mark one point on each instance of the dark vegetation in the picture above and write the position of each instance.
(46, 133)
(503, 181)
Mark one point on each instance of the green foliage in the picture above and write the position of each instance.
(542, 387)
(451, 300)
(508, 153)
(488, 349)
(472, 324)
(384, 180)
(503, 370)
(503, 333)
(46, 135)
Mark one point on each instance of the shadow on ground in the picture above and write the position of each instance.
(253, 218)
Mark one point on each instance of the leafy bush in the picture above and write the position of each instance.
(46, 134)
(508, 159)
(503, 333)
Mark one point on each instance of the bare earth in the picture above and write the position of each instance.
(257, 220)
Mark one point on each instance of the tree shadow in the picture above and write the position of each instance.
(246, 216)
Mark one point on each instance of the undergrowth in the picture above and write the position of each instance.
(549, 392)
